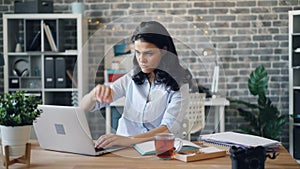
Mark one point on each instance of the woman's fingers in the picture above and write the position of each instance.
(106, 141)
(103, 93)
(107, 93)
(109, 140)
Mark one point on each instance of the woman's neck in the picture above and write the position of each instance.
(151, 77)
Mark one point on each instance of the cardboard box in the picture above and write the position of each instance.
(36, 6)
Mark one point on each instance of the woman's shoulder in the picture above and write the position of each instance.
(126, 77)
(129, 74)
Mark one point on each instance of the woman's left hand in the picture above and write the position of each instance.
(109, 140)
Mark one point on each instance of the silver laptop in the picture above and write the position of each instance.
(65, 129)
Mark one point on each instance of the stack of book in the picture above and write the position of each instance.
(50, 37)
(189, 151)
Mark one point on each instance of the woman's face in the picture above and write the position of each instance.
(147, 55)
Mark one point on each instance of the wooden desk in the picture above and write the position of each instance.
(130, 159)
(218, 103)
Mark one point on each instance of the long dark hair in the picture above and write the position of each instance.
(169, 70)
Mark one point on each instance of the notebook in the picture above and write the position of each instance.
(148, 148)
(237, 139)
(65, 129)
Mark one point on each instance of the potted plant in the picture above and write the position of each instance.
(17, 113)
(264, 118)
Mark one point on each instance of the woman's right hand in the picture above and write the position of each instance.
(103, 93)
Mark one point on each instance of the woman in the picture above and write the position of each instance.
(156, 90)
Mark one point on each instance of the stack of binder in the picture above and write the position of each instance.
(55, 72)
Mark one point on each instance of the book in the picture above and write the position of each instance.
(205, 152)
(148, 148)
(229, 139)
(50, 37)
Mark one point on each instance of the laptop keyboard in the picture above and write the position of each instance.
(99, 149)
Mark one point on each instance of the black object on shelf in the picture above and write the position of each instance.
(35, 43)
(60, 72)
(35, 6)
(1, 60)
(296, 142)
(296, 106)
(14, 83)
(49, 72)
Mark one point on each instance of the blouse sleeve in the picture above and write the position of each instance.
(119, 87)
(176, 110)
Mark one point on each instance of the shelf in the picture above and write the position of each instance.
(24, 53)
(60, 53)
(61, 90)
(40, 53)
(27, 89)
(26, 77)
(26, 69)
(294, 76)
(43, 16)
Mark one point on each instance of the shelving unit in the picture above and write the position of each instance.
(115, 67)
(294, 82)
(119, 63)
(27, 49)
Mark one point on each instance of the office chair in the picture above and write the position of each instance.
(195, 119)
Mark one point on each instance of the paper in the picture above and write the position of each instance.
(237, 139)
(209, 150)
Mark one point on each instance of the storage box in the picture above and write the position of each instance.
(14, 83)
(36, 6)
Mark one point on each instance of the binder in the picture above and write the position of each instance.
(60, 72)
(49, 72)
(296, 140)
(296, 106)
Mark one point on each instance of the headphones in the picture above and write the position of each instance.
(21, 68)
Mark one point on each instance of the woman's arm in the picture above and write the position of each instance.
(150, 134)
(105, 93)
(88, 101)
(109, 140)
(101, 93)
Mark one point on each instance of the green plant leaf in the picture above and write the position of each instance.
(264, 118)
(17, 109)
(258, 81)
